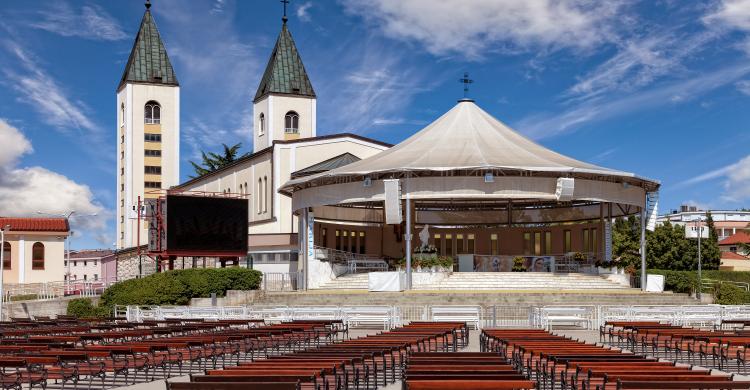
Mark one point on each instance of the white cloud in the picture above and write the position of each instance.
(640, 62)
(26, 190)
(731, 13)
(377, 89)
(93, 22)
(38, 89)
(470, 28)
(303, 11)
(743, 86)
(543, 125)
(736, 180)
(213, 57)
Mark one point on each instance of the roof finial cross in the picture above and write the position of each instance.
(148, 4)
(466, 81)
(284, 18)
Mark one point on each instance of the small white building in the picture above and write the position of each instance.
(85, 264)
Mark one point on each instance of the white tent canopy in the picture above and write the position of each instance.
(459, 147)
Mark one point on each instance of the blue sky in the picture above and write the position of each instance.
(659, 88)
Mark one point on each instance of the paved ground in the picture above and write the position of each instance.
(583, 335)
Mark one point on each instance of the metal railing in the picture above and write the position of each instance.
(282, 281)
(710, 284)
(53, 290)
(355, 262)
(496, 316)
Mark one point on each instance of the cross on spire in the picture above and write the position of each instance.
(466, 81)
(284, 18)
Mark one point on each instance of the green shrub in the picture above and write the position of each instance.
(81, 307)
(729, 294)
(178, 287)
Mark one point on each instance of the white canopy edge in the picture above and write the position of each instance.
(468, 187)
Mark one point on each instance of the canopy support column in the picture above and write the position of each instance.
(407, 237)
(303, 247)
(643, 248)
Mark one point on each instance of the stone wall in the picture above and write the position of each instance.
(46, 308)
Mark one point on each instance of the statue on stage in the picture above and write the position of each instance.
(424, 236)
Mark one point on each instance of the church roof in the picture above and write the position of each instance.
(332, 163)
(285, 73)
(148, 61)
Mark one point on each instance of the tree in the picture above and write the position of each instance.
(710, 252)
(626, 240)
(666, 247)
(213, 161)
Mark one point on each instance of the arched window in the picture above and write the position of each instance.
(37, 256)
(291, 122)
(259, 195)
(122, 114)
(153, 112)
(265, 192)
(261, 124)
(6, 255)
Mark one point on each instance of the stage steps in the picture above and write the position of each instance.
(474, 281)
(520, 281)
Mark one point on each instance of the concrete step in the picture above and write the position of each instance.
(491, 281)
(473, 297)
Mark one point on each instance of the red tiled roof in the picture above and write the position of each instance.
(732, 256)
(35, 224)
(741, 237)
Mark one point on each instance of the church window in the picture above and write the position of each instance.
(260, 195)
(122, 114)
(6, 255)
(262, 124)
(153, 112)
(265, 192)
(291, 122)
(37, 256)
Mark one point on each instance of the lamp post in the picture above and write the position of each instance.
(699, 228)
(2, 266)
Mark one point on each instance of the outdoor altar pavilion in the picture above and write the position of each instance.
(481, 187)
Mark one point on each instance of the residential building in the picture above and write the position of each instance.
(86, 264)
(726, 222)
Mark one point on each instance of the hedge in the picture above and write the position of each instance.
(170, 288)
(83, 307)
(729, 294)
(687, 282)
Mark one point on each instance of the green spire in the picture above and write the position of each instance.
(148, 61)
(285, 73)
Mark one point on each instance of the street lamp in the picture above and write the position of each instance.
(2, 266)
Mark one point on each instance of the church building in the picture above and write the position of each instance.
(286, 145)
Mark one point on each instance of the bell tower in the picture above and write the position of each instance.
(284, 107)
(148, 129)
